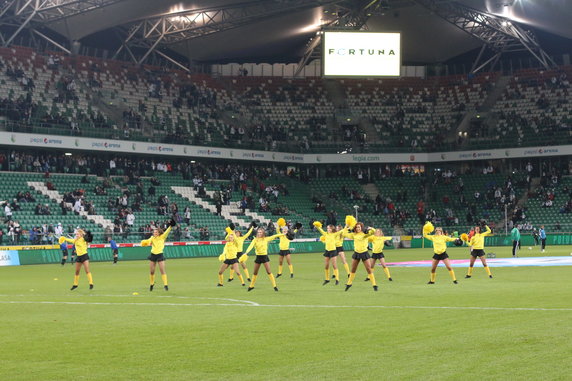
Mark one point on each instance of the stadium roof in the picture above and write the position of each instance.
(282, 36)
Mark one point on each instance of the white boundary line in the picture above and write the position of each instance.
(246, 302)
(253, 304)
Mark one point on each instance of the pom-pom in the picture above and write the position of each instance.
(228, 230)
(323, 238)
(61, 240)
(464, 237)
(297, 226)
(221, 257)
(253, 224)
(317, 224)
(351, 221)
(145, 243)
(428, 228)
(290, 235)
(88, 237)
(232, 226)
(243, 258)
(172, 222)
(281, 222)
(458, 242)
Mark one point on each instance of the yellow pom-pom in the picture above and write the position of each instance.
(61, 240)
(428, 228)
(464, 237)
(228, 230)
(144, 243)
(317, 224)
(323, 238)
(351, 221)
(243, 258)
(221, 257)
(281, 222)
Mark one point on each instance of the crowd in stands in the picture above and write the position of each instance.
(277, 113)
(134, 176)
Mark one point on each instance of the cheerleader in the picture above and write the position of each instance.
(378, 243)
(360, 237)
(440, 250)
(340, 248)
(239, 239)
(157, 243)
(260, 245)
(330, 255)
(82, 238)
(477, 245)
(284, 246)
(229, 257)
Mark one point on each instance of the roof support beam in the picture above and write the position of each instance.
(172, 28)
(17, 15)
(351, 16)
(499, 34)
(60, 46)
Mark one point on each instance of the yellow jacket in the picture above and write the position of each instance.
(79, 244)
(261, 244)
(331, 238)
(285, 242)
(378, 243)
(360, 240)
(230, 250)
(157, 243)
(340, 239)
(240, 240)
(439, 242)
(478, 240)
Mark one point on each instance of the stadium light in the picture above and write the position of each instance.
(68, 154)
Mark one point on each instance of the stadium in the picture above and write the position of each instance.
(276, 189)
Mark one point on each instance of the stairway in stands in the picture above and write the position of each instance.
(371, 190)
(485, 108)
(57, 197)
(228, 212)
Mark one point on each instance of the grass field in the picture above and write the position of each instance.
(513, 327)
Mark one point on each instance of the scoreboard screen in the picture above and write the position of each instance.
(361, 54)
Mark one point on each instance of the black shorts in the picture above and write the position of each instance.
(330, 253)
(440, 257)
(64, 253)
(82, 258)
(339, 249)
(477, 253)
(361, 256)
(377, 255)
(230, 261)
(115, 251)
(239, 254)
(262, 259)
(156, 257)
(284, 253)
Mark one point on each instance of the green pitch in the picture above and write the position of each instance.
(515, 326)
